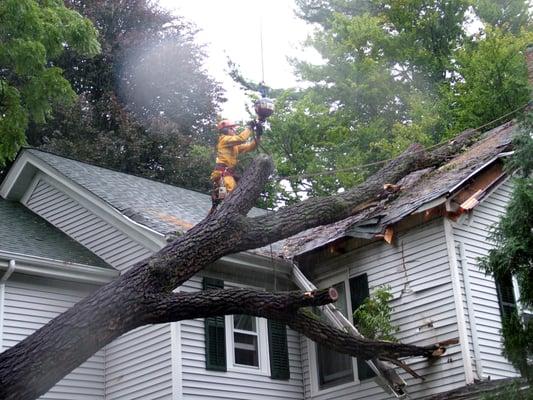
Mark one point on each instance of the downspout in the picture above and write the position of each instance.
(470, 308)
(10, 269)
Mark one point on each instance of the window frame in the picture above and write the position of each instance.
(333, 280)
(263, 356)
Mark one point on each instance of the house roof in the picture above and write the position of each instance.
(163, 208)
(418, 189)
(23, 232)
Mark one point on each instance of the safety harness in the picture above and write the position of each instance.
(219, 189)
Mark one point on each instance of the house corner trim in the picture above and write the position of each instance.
(456, 285)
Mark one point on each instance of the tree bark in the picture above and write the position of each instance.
(143, 295)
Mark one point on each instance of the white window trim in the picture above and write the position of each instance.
(262, 347)
(311, 346)
(521, 310)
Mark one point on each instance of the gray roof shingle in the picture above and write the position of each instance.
(161, 207)
(164, 208)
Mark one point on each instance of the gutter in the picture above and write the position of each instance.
(3, 280)
(58, 269)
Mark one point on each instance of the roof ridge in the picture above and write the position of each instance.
(112, 170)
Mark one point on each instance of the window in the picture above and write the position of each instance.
(334, 369)
(506, 297)
(246, 351)
(245, 343)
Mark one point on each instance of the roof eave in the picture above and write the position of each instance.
(26, 167)
(58, 269)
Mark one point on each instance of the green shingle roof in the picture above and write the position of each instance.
(23, 232)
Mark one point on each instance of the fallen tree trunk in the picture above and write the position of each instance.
(143, 295)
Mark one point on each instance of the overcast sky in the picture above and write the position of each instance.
(232, 28)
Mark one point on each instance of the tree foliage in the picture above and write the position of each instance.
(33, 35)
(146, 104)
(513, 253)
(373, 317)
(395, 72)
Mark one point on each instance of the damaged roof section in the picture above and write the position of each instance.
(465, 178)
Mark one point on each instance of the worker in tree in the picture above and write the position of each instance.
(230, 144)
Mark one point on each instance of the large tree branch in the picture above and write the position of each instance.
(288, 221)
(210, 303)
(309, 325)
(30, 368)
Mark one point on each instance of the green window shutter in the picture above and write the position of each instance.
(358, 293)
(215, 334)
(505, 291)
(279, 351)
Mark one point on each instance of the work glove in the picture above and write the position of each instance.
(251, 124)
(258, 129)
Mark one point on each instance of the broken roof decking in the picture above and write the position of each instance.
(417, 189)
(161, 207)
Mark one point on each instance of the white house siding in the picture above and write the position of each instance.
(90, 230)
(29, 304)
(138, 364)
(471, 233)
(198, 383)
(417, 269)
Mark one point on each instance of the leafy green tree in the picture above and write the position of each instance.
(513, 254)
(33, 34)
(147, 106)
(508, 15)
(373, 317)
(394, 72)
(492, 80)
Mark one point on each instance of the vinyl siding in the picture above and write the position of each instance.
(106, 241)
(137, 364)
(198, 383)
(417, 269)
(471, 233)
(29, 304)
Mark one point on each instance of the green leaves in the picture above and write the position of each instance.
(373, 317)
(32, 34)
(397, 72)
(13, 121)
(513, 253)
(493, 79)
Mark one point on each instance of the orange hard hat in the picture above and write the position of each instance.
(226, 123)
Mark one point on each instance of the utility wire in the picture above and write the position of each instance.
(364, 166)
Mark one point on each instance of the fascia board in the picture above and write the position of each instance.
(50, 268)
(147, 237)
(478, 170)
(9, 182)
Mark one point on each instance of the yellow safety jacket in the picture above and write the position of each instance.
(230, 146)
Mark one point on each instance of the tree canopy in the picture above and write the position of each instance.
(146, 104)
(33, 35)
(394, 73)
